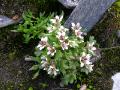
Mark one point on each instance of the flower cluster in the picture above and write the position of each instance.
(77, 30)
(50, 68)
(61, 51)
(85, 58)
(85, 62)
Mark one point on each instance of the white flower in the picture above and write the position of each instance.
(51, 50)
(42, 44)
(85, 59)
(77, 30)
(65, 45)
(89, 67)
(63, 29)
(61, 36)
(76, 27)
(44, 63)
(79, 34)
(50, 29)
(52, 70)
(56, 20)
(91, 47)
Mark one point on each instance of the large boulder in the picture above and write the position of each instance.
(88, 13)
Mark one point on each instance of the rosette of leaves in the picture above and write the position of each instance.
(33, 27)
(62, 52)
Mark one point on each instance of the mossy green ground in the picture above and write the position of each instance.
(14, 74)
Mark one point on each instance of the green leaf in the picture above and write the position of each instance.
(59, 54)
(30, 88)
(91, 39)
(37, 52)
(78, 86)
(34, 67)
(36, 75)
(118, 3)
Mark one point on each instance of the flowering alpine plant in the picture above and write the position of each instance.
(63, 51)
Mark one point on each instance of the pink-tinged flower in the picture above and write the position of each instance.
(51, 50)
(77, 30)
(56, 20)
(76, 27)
(50, 29)
(52, 70)
(63, 29)
(91, 46)
(79, 34)
(85, 59)
(65, 45)
(43, 43)
(89, 67)
(61, 36)
(44, 63)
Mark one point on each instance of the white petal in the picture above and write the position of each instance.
(48, 53)
(61, 17)
(52, 54)
(63, 33)
(78, 24)
(38, 46)
(44, 39)
(88, 56)
(42, 47)
(83, 54)
(93, 48)
(49, 71)
(53, 20)
(61, 27)
(57, 17)
(73, 24)
(82, 64)
(87, 62)
(91, 68)
(55, 73)
(49, 29)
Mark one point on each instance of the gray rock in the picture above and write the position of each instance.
(116, 80)
(5, 21)
(69, 3)
(88, 13)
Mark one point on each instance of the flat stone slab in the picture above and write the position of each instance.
(5, 21)
(88, 13)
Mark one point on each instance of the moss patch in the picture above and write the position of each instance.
(106, 34)
(107, 66)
